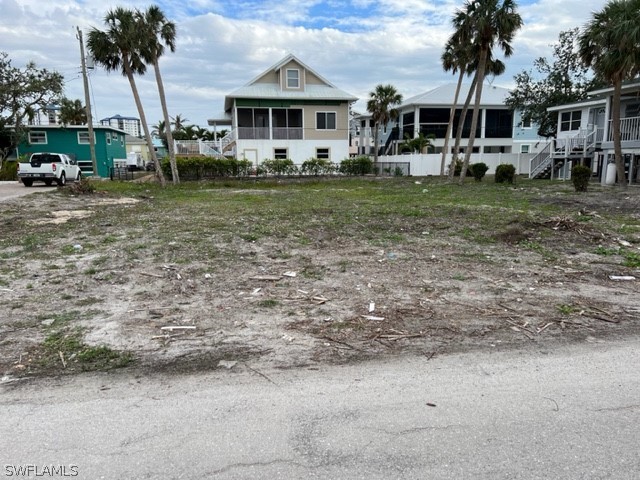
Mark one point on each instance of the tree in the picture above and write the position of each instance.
(179, 123)
(72, 112)
(563, 80)
(156, 33)
(22, 93)
(381, 105)
(610, 44)
(118, 48)
(485, 24)
(418, 144)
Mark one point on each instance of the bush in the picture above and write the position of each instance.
(82, 187)
(318, 166)
(362, 165)
(9, 171)
(279, 166)
(478, 170)
(505, 173)
(201, 167)
(580, 176)
(457, 169)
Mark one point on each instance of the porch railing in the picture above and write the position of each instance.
(629, 129)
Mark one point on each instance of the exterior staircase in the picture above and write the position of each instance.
(554, 156)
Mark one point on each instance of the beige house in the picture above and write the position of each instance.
(288, 111)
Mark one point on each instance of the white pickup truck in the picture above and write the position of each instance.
(47, 168)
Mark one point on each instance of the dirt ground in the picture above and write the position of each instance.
(336, 299)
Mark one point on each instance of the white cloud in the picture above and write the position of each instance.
(222, 45)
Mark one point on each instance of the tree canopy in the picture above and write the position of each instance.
(560, 80)
(23, 91)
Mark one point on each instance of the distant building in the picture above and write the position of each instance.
(131, 125)
(48, 115)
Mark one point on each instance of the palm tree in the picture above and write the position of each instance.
(381, 105)
(117, 48)
(179, 123)
(418, 144)
(485, 24)
(72, 112)
(455, 58)
(156, 32)
(610, 44)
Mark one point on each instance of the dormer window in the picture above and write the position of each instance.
(293, 78)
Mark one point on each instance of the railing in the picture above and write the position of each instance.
(629, 129)
(253, 133)
(540, 162)
(227, 141)
(197, 147)
(287, 133)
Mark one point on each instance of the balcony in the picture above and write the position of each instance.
(629, 129)
(264, 133)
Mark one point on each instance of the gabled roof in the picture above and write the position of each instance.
(631, 85)
(444, 95)
(255, 89)
(577, 105)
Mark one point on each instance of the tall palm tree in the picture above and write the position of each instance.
(381, 104)
(610, 44)
(494, 67)
(455, 58)
(485, 24)
(158, 32)
(117, 48)
(179, 123)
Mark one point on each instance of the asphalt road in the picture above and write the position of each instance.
(569, 414)
(9, 190)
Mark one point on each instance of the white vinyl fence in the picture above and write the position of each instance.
(422, 165)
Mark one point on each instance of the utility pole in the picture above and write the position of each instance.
(87, 101)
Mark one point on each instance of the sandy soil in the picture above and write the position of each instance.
(334, 300)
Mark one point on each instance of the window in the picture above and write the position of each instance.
(38, 137)
(280, 153)
(526, 123)
(108, 137)
(83, 138)
(525, 148)
(325, 120)
(122, 140)
(570, 121)
(293, 78)
(322, 153)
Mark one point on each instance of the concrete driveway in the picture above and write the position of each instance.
(9, 190)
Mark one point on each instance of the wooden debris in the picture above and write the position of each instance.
(155, 275)
(270, 278)
(331, 339)
(64, 363)
(289, 274)
(540, 330)
(319, 299)
(171, 328)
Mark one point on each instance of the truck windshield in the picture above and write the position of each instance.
(45, 158)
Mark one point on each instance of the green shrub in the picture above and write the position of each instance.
(580, 176)
(318, 166)
(457, 169)
(9, 171)
(362, 165)
(478, 170)
(206, 167)
(505, 173)
(279, 166)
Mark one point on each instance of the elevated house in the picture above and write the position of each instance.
(585, 135)
(288, 111)
(501, 134)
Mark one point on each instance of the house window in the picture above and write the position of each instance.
(570, 121)
(293, 78)
(38, 137)
(83, 138)
(108, 137)
(322, 153)
(526, 123)
(122, 140)
(325, 120)
(525, 148)
(280, 153)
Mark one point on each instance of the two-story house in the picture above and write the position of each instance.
(288, 111)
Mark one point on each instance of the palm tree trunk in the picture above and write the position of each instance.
(143, 120)
(461, 121)
(450, 125)
(482, 65)
(167, 123)
(615, 124)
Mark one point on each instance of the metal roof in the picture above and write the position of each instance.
(444, 95)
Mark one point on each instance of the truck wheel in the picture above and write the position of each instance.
(79, 177)
(48, 183)
(27, 182)
(62, 180)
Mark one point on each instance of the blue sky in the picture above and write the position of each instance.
(221, 45)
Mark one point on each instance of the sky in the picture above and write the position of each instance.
(221, 45)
